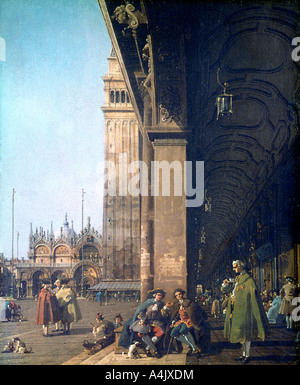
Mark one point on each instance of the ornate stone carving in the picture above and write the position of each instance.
(146, 54)
(170, 106)
(127, 14)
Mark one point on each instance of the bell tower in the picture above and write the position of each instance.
(121, 211)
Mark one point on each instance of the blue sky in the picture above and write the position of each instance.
(52, 127)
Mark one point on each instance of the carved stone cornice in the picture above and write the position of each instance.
(128, 14)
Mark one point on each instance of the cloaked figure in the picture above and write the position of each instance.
(47, 309)
(245, 318)
(148, 323)
(68, 305)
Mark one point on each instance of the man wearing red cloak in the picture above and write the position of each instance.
(47, 309)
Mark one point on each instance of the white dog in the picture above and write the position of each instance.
(20, 346)
(132, 351)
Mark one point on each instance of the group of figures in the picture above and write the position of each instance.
(184, 322)
(164, 327)
(104, 296)
(58, 306)
(10, 311)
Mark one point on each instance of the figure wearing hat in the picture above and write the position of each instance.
(103, 331)
(57, 283)
(148, 322)
(186, 323)
(48, 310)
(287, 293)
(245, 316)
(68, 305)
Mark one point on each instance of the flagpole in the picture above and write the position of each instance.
(82, 211)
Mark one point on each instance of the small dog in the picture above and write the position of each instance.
(8, 348)
(132, 351)
(20, 346)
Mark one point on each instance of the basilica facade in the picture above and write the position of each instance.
(51, 255)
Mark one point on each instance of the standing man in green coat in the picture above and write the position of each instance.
(245, 316)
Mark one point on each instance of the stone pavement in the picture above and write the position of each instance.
(60, 348)
(278, 349)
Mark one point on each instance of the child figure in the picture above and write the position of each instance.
(118, 321)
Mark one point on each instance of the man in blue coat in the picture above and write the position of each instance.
(148, 322)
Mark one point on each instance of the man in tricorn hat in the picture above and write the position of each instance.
(47, 308)
(148, 323)
(57, 283)
(103, 331)
(186, 324)
(245, 316)
(287, 294)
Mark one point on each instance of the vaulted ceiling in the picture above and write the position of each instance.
(175, 50)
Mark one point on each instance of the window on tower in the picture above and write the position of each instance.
(119, 96)
(122, 96)
(112, 96)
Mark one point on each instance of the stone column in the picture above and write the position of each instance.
(29, 289)
(170, 265)
(147, 223)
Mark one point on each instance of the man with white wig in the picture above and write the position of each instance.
(245, 316)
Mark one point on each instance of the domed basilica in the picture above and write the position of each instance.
(61, 253)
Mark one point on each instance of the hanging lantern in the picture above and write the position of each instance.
(224, 101)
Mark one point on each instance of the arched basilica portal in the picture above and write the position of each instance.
(63, 254)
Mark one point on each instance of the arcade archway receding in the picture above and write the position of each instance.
(85, 277)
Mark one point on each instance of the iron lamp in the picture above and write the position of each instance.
(223, 101)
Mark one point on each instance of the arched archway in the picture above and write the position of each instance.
(22, 284)
(37, 277)
(61, 253)
(85, 275)
(42, 254)
(56, 274)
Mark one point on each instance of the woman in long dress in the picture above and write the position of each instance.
(272, 314)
